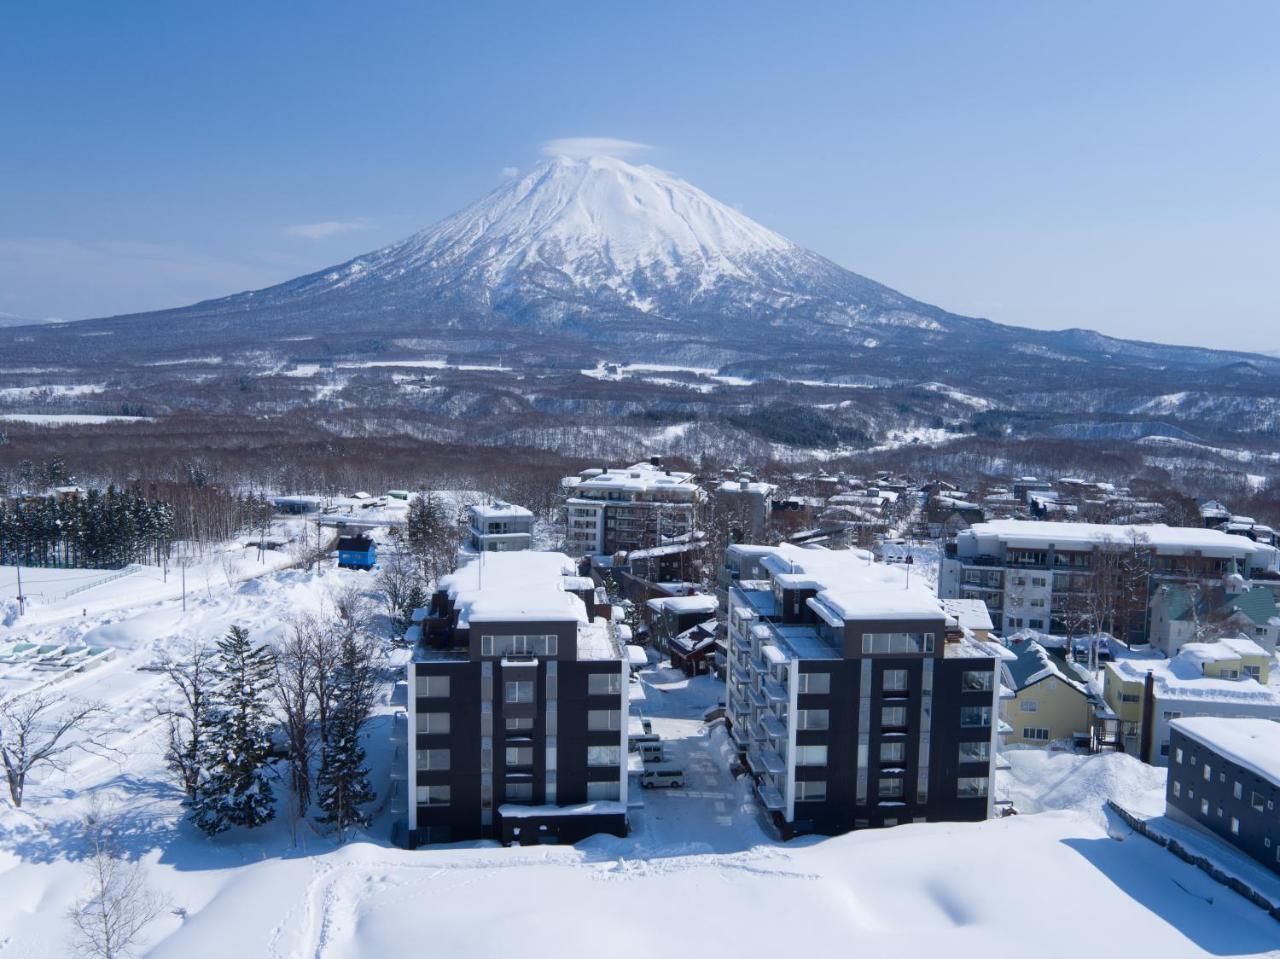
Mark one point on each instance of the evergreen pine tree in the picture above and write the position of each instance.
(342, 785)
(416, 599)
(235, 790)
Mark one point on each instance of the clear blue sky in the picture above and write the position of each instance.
(1097, 164)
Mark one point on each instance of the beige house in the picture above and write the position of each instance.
(1048, 704)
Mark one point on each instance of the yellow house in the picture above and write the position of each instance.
(1048, 705)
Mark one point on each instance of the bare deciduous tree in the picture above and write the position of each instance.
(119, 904)
(294, 690)
(34, 733)
(185, 721)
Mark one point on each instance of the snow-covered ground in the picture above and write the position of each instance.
(700, 873)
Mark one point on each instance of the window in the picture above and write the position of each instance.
(1235, 826)
(893, 716)
(1257, 801)
(1177, 755)
(518, 792)
(815, 683)
(519, 645)
(1237, 791)
(1037, 603)
(1204, 807)
(603, 720)
(603, 791)
(1036, 623)
(979, 752)
(1028, 706)
(519, 692)
(1229, 673)
(974, 716)
(890, 787)
(811, 790)
(1177, 788)
(1254, 673)
(976, 680)
(1037, 581)
(1035, 734)
(971, 787)
(811, 755)
(433, 723)
(435, 686)
(896, 643)
(1130, 697)
(604, 755)
(604, 684)
(433, 795)
(894, 681)
(519, 725)
(433, 759)
(893, 752)
(1208, 772)
(519, 755)
(813, 718)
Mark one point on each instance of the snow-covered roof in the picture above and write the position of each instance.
(1034, 663)
(520, 586)
(1182, 679)
(1171, 539)
(968, 613)
(1251, 743)
(500, 510)
(639, 478)
(685, 604)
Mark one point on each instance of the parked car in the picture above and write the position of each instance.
(655, 777)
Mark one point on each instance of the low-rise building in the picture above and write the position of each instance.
(499, 527)
(851, 700)
(357, 551)
(1224, 778)
(1182, 614)
(1049, 703)
(1225, 679)
(517, 709)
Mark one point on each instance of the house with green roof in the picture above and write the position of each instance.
(1187, 613)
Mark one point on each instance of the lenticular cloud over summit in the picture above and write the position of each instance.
(581, 147)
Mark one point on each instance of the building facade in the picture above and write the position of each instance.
(499, 527)
(1033, 574)
(1224, 778)
(517, 713)
(852, 699)
(640, 507)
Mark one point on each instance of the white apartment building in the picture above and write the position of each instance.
(639, 507)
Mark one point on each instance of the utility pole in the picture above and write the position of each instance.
(22, 600)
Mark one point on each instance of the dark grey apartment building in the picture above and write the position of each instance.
(1224, 778)
(517, 713)
(853, 700)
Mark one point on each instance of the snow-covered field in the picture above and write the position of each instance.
(699, 875)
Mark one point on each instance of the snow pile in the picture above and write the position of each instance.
(1040, 781)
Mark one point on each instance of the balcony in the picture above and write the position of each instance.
(773, 763)
(772, 726)
(771, 798)
(755, 697)
(775, 693)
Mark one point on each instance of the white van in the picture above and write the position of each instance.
(650, 752)
(655, 777)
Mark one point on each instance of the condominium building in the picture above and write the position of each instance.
(642, 506)
(1224, 778)
(499, 527)
(854, 700)
(517, 711)
(1028, 572)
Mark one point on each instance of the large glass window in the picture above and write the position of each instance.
(815, 683)
(811, 755)
(894, 681)
(971, 787)
(979, 752)
(435, 686)
(890, 787)
(972, 716)
(519, 756)
(522, 724)
(519, 692)
(601, 720)
(433, 759)
(604, 755)
(893, 716)
(538, 645)
(434, 723)
(810, 790)
(874, 644)
(813, 718)
(604, 684)
(893, 752)
(518, 792)
(976, 680)
(603, 791)
(433, 795)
